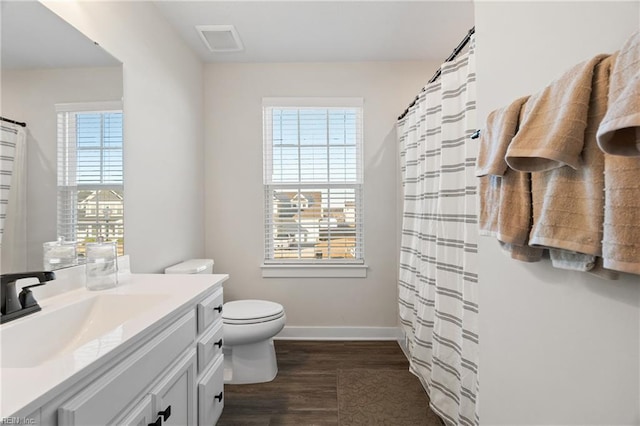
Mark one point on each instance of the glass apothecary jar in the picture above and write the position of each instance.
(101, 265)
(59, 254)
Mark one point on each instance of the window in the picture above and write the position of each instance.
(313, 181)
(90, 173)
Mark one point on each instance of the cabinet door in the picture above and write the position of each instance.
(175, 394)
(141, 415)
(211, 393)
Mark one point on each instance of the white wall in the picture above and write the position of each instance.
(30, 96)
(163, 128)
(556, 347)
(234, 191)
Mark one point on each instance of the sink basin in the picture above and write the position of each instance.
(86, 329)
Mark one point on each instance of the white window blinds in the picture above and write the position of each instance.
(90, 172)
(313, 180)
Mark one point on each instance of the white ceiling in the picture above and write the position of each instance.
(271, 31)
(327, 31)
(35, 37)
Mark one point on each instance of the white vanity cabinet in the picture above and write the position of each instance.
(171, 376)
(210, 359)
(171, 402)
(175, 396)
(141, 415)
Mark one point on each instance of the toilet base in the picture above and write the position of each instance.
(250, 363)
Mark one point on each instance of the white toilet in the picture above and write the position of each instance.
(248, 330)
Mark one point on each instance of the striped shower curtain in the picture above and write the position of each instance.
(438, 281)
(13, 227)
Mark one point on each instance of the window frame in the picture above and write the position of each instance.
(309, 267)
(68, 195)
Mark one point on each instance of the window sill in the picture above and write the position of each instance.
(314, 271)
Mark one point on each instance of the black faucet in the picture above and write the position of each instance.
(12, 305)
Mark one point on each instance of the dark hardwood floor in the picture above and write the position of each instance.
(332, 383)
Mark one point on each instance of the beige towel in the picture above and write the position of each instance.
(491, 211)
(489, 190)
(500, 128)
(619, 132)
(568, 204)
(522, 253)
(551, 133)
(499, 131)
(621, 240)
(505, 195)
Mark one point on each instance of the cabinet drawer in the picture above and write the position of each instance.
(210, 394)
(101, 401)
(210, 346)
(209, 310)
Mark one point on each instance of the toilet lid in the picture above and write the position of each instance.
(251, 310)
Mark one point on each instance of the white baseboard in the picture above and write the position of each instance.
(338, 333)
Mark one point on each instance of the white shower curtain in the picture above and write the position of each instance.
(438, 281)
(13, 201)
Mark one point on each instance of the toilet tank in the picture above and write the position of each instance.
(191, 266)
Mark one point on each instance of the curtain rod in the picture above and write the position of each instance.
(8, 120)
(435, 76)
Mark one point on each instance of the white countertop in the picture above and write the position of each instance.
(25, 389)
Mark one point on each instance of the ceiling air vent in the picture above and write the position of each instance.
(220, 38)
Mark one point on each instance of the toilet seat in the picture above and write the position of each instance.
(244, 312)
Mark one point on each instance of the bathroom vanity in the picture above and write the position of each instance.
(148, 352)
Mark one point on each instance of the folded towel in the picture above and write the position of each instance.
(500, 129)
(522, 253)
(514, 216)
(495, 181)
(489, 191)
(619, 132)
(568, 204)
(565, 259)
(551, 132)
(505, 210)
(621, 239)
(489, 224)
(505, 194)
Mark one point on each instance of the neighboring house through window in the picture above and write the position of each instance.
(313, 180)
(90, 172)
